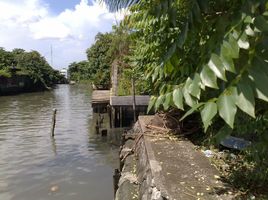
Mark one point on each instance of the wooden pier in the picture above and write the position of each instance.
(122, 114)
(119, 108)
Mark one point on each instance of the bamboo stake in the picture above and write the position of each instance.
(53, 122)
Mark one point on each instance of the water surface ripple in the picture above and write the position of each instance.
(78, 162)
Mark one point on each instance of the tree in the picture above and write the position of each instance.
(203, 54)
(80, 71)
(100, 60)
(31, 64)
(6, 58)
(210, 57)
(115, 5)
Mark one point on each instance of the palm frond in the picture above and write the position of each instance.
(115, 5)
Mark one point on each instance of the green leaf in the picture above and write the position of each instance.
(260, 64)
(189, 100)
(228, 63)
(208, 112)
(234, 47)
(245, 99)
(260, 80)
(178, 98)
(168, 67)
(189, 112)
(167, 102)
(249, 31)
(226, 106)
(151, 103)
(248, 19)
(216, 66)
(194, 88)
(196, 12)
(243, 41)
(226, 49)
(170, 52)
(223, 133)
(174, 60)
(204, 5)
(261, 24)
(208, 78)
(182, 36)
(159, 101)
(155, 73)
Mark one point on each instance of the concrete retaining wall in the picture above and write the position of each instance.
(17, 84)
(159, 167)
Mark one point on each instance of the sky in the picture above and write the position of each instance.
(64, 27)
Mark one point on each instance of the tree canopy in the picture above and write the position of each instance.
(99, 59)
(32, 64)
(209, 56)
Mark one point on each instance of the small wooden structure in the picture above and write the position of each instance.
(119, 108)
(141, 100)
(122, 114)
(100, 97)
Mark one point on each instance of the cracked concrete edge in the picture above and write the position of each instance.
(128, 181)
(128, 176)
(155, 166)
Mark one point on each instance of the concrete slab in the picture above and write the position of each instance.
(178, 170)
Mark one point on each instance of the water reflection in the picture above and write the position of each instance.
(53, 145)
(77, 160)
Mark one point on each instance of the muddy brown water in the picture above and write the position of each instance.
(76, 164)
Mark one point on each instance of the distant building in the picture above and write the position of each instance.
(64, 72)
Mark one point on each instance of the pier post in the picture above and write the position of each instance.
(53, 122)
(134, 99)
(121, 116)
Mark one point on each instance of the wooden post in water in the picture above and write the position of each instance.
(97, 127)
(53, 122)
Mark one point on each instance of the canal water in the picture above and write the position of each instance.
(76, 165)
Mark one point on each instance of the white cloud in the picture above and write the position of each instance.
(29, 24)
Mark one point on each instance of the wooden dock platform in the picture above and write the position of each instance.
(119, 108)
(100, 97)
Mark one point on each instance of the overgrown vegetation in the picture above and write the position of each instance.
(208, 57)
(31, 64)
(97, 67)
(108, 49)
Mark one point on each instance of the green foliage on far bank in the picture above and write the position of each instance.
(79, 71)
(32, 64)
(5, 73)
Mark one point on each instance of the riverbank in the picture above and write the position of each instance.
(159, 166)
(18, 84)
